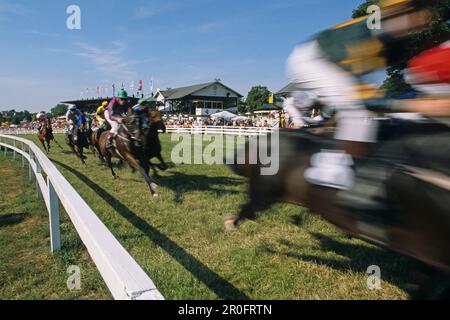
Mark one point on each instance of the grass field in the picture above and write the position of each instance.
(27, 268)
(179, 240)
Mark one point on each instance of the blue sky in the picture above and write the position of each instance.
(177, 43)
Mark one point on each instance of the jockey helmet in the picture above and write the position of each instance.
(122, 94)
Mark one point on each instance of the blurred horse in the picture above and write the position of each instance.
(152, 143)
(45, 136)
(77, 145)
(128, 146)
(417, 191)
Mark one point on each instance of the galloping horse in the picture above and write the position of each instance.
(126, 149)
(417, 223)
(45, 135)
(82, 141)
(152, 143)
(94, 139)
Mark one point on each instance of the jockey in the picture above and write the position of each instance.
(100, 114)
(333, 66)
(139, 120)
(113, 114)
(73, 119)
(41, 118)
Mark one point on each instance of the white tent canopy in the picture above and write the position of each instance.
(240, 118)
(224, 115)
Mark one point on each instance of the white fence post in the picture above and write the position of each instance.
(30, 170)
(55, 234)
(4, 141)
(14, 151)
(23, 157)
(38, 170)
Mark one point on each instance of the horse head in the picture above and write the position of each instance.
(156, 122)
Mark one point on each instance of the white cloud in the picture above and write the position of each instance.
(156, 10)
(110, 61)
(42, 34)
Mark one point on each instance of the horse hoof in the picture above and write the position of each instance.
(154, 186)
(230, 223)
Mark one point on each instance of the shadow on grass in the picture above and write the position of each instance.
(212, 280)
(11, 219)
(395, 268)
(181, 183)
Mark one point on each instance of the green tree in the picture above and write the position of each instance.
(59, 110)
(437, 32)
(258, 96)
(361, 11)
(242, 106)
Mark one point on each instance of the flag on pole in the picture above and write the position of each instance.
(271, 98)
(140, 85)
(132, 86)
(114, 89)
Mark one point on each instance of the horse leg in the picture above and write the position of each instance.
(58, 144)
(149, 165)
(152, 185)
(109, 162)
(261, 197)
(93, 150)
(48, 146)
(99, 152)
(164, 164)
(81, 155)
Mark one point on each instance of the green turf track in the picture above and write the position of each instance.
(179, 239)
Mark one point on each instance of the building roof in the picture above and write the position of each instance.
(179, 93)
(268, 107)
(291, 87)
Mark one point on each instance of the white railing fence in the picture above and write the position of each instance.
(124, 277)
(208, 130)
(214, 130)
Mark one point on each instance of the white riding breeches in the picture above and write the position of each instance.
(115, 126)
(334, 87)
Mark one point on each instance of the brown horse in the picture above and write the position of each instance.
(45, 136)
(152, 143)
(77, 146)
(417, 188)
(125, 149)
